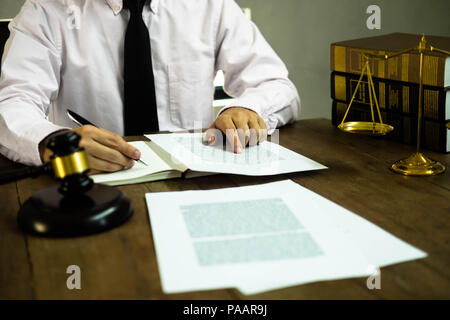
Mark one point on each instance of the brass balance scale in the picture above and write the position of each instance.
(417, 164)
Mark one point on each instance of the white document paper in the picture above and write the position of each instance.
(263, 237)
(379, 247)
(155, 164)
(267, 158)
(246, 237)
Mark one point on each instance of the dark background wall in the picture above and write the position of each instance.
(301, 31)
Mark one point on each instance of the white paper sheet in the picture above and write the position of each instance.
(248, 238)
(263, 237)
(266, 158)
(155, 164)
(379, 247)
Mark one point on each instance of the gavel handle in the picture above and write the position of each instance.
(11, 175)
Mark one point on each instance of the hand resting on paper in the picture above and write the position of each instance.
(241, 126)
(107, 151)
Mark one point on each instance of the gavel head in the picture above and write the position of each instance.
(70, 163)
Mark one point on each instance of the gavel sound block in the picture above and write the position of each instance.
(78, 206)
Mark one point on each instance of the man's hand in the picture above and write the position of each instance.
(107, 151)
(240, 125)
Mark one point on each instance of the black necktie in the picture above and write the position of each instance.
(140, 113)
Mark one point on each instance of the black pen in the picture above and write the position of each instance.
(79, 120)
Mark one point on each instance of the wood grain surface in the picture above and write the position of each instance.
(121, 263)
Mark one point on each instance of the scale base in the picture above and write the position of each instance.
(50, 214)
(418, 165)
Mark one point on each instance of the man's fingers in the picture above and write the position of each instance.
(241, 126)
(254, 131)
(226, 125)
(115, 141)
(92, 172)
(234, 140)
(261, 123)
(242, 130)
(107, 151)
(108, 154)
(212, 135)
(101, 165)
(262, 135)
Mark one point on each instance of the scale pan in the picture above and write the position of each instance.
(369, 128)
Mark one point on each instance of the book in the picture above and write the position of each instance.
(434, 134)
(183, 155)
(395, 96)
(347, 56)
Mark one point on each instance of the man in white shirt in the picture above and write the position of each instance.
(69, 54)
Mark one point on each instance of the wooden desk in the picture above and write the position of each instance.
(121, 263)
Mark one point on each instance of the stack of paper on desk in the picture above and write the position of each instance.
(263, 237)
(183, 154)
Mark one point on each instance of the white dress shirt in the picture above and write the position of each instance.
(68, 54)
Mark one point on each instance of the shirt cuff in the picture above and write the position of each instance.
(45, 141)
(36, 134)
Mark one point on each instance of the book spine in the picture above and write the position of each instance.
(402, 68)
(434, 134)
(394, 96)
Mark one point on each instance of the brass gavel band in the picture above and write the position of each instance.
(71, 164)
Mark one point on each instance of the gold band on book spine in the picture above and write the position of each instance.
(381, 66)
(340, 59)
(430, 70)
(431, 104)
(382, 93)
(393, 98)
(340, 87)
(405, 99)
(405, 67)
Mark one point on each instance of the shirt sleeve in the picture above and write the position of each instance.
(254, 73)
(29, 82)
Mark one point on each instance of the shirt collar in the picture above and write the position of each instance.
(117, 6)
